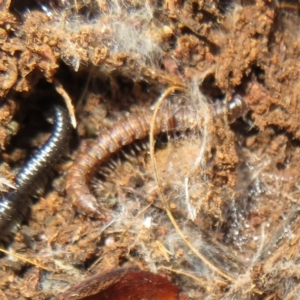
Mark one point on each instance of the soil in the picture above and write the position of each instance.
(232, 188)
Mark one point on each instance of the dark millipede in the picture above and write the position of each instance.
(14, 205)
(124, 132)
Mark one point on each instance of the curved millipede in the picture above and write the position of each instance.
(126, 131)
(14, 206)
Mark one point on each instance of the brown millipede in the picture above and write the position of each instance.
(124, 132)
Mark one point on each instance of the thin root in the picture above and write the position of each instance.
(67, 99)
(22, 258)
(162, 197)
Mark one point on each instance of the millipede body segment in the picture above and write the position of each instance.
(126, 131)
(14, 205)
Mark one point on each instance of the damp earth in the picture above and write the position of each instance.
(209, 212)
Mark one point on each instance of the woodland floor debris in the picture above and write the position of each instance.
(115, 57)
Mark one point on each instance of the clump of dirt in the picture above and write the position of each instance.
(231, 188)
